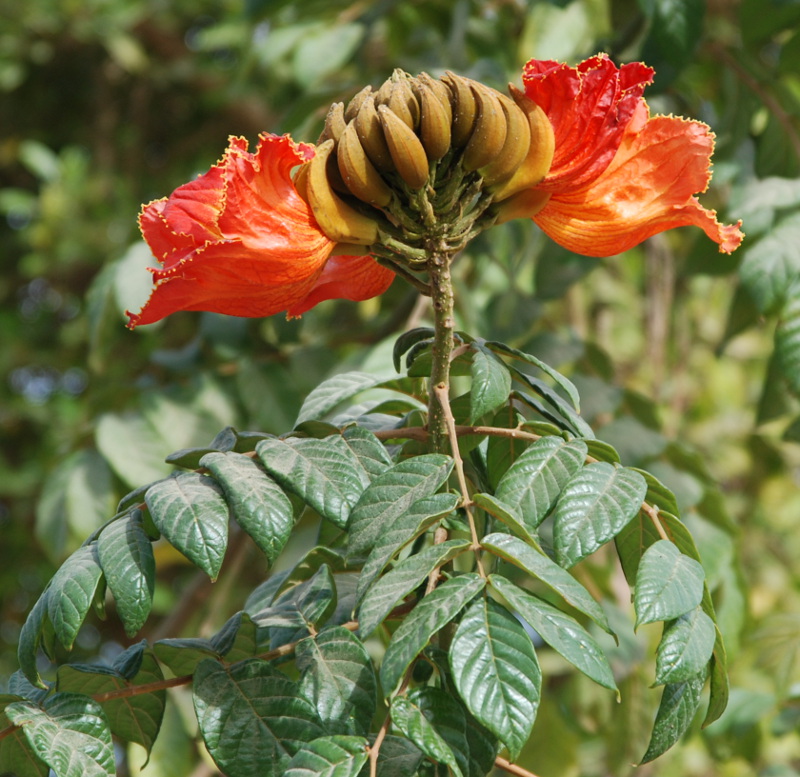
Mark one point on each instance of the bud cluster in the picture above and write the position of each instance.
(424, 159)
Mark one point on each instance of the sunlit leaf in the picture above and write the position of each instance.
(685, 647)
(496, 672)
(336, 756)
(328, 394)
(491, 384)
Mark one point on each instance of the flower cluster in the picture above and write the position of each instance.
(421, 159)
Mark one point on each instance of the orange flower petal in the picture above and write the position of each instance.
(237, 240)
(648, 188)
(590, 107)
(346, 277)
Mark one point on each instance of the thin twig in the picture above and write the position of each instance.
(507, 766)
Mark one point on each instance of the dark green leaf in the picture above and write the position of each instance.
(409, 718)
(668, 584)
(181, 656)
(685, 647)
(126, 556)
(17, 757)
(787, 340)
(594, 507)
(338, 679)
(391, 495)
(503, 451)
(393, 587)
(679, 703)
(324, 473)
(369, 450)
(551, 574)
(534, 481)
(190, 512)
(237, 639)
(308, 606)
(448, 717)
(332, 391)
(30, 638)
(71, 593)
(491, 384)
(658, 494)
(506, 514)
(406, 341)
(564, 383)
(431, 613)
(251, 717)
(563, 633)
(720, 690)
(70, 734)
(257, 502)
(132, 718)
(336, 756)
(404, 529)
(397, 758)
(496, 672)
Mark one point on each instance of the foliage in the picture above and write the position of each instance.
(669, 356)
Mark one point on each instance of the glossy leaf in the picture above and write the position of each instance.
(407, 340)
(369, 450)
(668, 584)
(30, 638)
(71, 593)
(338, 679)
(496, 672)
(419, 517)
(445, 712)
(251, 717)
(508, 515)
(70, 734)
(125, 553)
(182, 655)
(398, 757)
(594, 507)
(551, 574)
(257, 502)
(189, 511)
(534, 481)
(503, 451)
(491, 384)
(328, 394)
(685, 648)
(336, 756)
(390, 590)
(563, 633)
(409, 718)
(431, 613)
(306, 606)
(719, 691)
(17, 757)
(324, 473)
(391, 495)
(132, 718)
(679, 703)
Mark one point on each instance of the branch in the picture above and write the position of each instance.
(502, 763)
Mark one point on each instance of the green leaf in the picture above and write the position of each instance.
(189, 511)
(563, 633)
(668, 584)
(257, 502)
(17, 757)
(503, 451)
(551, 574)
(307, 606)
(391, 495)
(431, 613)
(787, 340)
(496, 672)
(182, 655)
(720, 688)
(398, 757)
(406, 341)
(338, 679)
(534, 481)
(336, 756)
(132, 718)
(567, 385)
(408, 717)
(125, 553)
(71, 593)
(369, 450)
(237, 639)
(594, 507)
(658, 494)
(507, 515)
(679, 703)
(685, 647)
(394, 586)
(449, 718)
(404, 529)
(491, 384)
(324, 473)
(31, 637)
(251, 717)
(332, 391)
(70, 734)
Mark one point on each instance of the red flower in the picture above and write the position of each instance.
(618, 175)
(240, 240)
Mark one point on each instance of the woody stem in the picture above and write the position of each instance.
(439, 260)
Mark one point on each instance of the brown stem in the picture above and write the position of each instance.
(507, 766)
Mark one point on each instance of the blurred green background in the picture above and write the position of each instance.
(688, 361)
